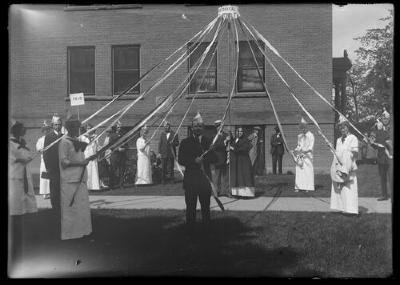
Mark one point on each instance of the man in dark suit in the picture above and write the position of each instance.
(51, 161)
(195, 182)
(167, 150)
(277, 150)
(220, 166)
(117, 159)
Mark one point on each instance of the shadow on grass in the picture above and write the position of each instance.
(126, 243)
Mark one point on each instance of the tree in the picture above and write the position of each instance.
(370, 79)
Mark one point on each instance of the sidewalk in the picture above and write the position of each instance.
(289, 204)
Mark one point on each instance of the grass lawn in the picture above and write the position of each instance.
(154, 242)
(269, 185)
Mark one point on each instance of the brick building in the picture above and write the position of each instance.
(56, 50)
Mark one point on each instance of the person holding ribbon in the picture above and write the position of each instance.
(167, 151)
(197, 176)
(51, 161)
(344, 191)
(44, 185)
(93, 181)
(304, 159)
(220, 179)
(75, 209)
(21, 197)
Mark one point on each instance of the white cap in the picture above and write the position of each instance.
(303, 121)
(198, 118)
(218, 122)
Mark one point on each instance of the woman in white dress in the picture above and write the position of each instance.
(75, 209)
(44, 186)
(143, 172)
(344, 193)
(304, 159)
(93, 181)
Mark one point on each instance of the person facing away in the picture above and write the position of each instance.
(383, 144)
(220, 177)
(197, 176)
(242, 176)
(277, 150)
(167, 151)
(344, 192)
(44, 184)
(117, 159)
(51, 161)
(304, 159)
(75, 208)
(144, 171)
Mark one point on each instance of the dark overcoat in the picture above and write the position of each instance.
(241, 170)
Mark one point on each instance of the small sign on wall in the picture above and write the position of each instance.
(77, 99)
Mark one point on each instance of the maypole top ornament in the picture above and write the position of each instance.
(228, 10)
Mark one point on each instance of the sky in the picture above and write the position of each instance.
(352, 21)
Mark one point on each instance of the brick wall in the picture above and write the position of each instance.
(40, 35)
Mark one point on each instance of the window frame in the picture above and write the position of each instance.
(189, 92)
(69, 48)
(132, 93)
(262, 90)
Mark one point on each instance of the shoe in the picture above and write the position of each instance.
(383, 198)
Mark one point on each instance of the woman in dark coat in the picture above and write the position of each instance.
(241, 176)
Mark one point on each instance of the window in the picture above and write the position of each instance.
(126, 68)
(248, 79)
(210, 79)
(81, 76)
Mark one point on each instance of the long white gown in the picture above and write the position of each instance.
(44, 187)
(344, 196)
(19, 202)
(305, 172)
(76, 218)
(143, 173)
(93, 181)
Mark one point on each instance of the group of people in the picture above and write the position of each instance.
(228, 164)
(65, 170)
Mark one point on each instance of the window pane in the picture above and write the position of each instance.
(125, 79)
(249, 80)
(81, 70)
(248, 77)
(210, 81)
(126, 68)
(126, 58)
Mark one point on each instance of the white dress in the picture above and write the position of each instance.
(143, 173)
(93, 181)
(19, 202)
(344, 196)
(76, 218)
(44, 183)
(305, 171)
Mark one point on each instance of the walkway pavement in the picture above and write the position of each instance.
(289, 204)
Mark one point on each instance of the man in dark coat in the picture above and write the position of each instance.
(167, 150)
(383, 145)
(242, 176)
(220, 178)
(195, 182)
(117, 160)
(51, 161)
(277, 150)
